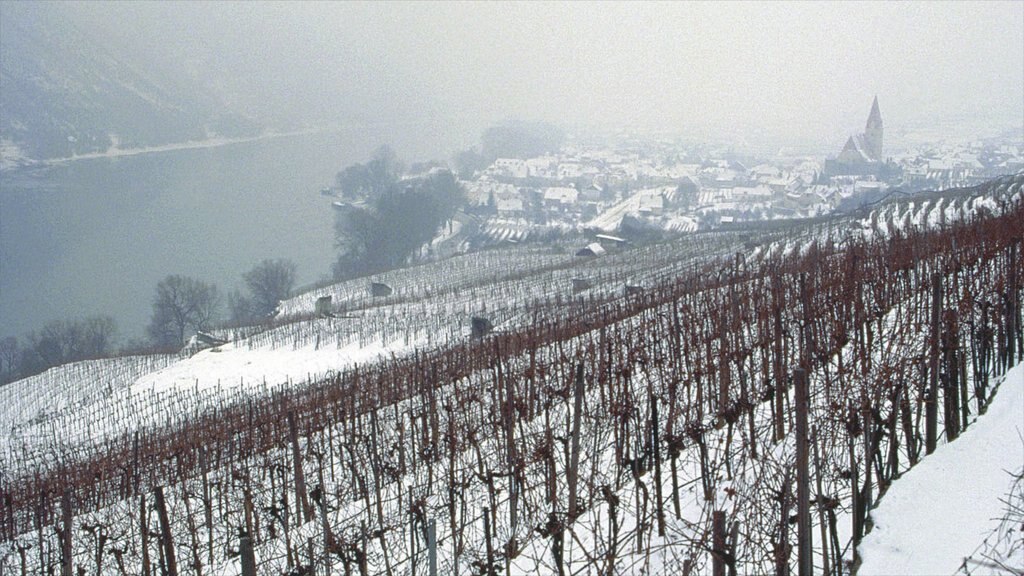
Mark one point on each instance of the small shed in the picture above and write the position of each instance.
(591, 250)
(199, 342)
(379, 290)
(480, 327)
(581, 284)
(634, 289)
(323, 306)
(209, 339)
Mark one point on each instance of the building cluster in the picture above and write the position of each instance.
(675, 186)
(954, 165)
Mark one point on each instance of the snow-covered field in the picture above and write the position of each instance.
(431, 307)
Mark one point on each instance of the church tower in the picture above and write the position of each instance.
(873, 133)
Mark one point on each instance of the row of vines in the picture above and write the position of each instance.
(681, 429)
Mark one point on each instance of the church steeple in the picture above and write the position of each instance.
(875, 115)
(873, 132)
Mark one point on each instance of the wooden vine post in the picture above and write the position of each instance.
(780, 384)
(487, 539)
(931, 422)
(144, 535)
(950, 380)
(1012, 309)
(432, 547)
(65, 535)
(805, 566)
(574, 462)
(300, 478)
(782, 549)
(718, 545)
(207, 504)
(166, 541)
(247, 556)
(656, 448)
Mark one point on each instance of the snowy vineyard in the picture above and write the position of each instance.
(740, 414)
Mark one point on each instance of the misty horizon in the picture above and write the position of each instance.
(777, 74)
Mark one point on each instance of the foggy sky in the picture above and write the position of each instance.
(786, 72)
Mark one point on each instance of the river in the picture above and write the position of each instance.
(94, 236)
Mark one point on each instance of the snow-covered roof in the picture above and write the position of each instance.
(766, 170)
(561, 194)
(652, 202)
(509, 204)
(854, 150)
(756, 191)
(592, 249)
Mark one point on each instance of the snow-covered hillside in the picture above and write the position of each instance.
(639, 422)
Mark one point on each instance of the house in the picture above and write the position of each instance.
(651, 204)
(560, 198)
(510, 207)
(483, 191)
(723, 179)
(764, 171)
(752, 194)
(592, 193)
(569, 170)
(778, 185)
(591, 250)
(634, 290)
(543, 167)
(512, 167)
(869, 186)
(611, 240)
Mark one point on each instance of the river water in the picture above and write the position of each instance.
(95, 236)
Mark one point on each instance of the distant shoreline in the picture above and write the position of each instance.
(187, 145)
(15, 162)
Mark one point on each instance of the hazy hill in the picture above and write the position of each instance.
(63, 93)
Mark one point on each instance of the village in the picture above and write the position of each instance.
(667, 185)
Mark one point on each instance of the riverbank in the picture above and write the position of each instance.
(12, 158)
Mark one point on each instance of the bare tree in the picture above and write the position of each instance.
(9, 352)
(269, 282)
(63, 341)
(181, 303)
(97, 334)
(239, 308)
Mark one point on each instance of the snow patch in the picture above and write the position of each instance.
(938, 513)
